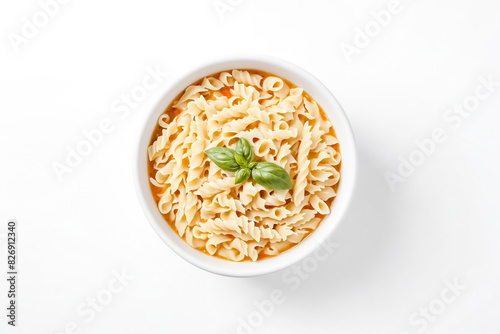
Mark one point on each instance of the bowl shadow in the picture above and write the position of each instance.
(363, 240)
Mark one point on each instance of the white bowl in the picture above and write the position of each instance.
(340, 205)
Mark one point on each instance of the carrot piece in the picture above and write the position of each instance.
(226, 92)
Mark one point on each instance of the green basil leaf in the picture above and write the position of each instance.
(271, 176)
(244, 148)
(224, 158)
(240, 160)
(252, 164)
(242, 175)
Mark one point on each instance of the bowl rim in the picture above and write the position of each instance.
(314, 239)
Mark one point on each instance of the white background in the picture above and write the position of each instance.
(396, 248)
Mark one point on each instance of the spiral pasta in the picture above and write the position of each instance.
(202, 203)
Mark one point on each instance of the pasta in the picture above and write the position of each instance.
(202, 203)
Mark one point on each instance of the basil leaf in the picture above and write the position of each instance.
(271, 176)
(224, 158)
(240, 160)
(244, 148)
(242, 175)
(252, 164)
